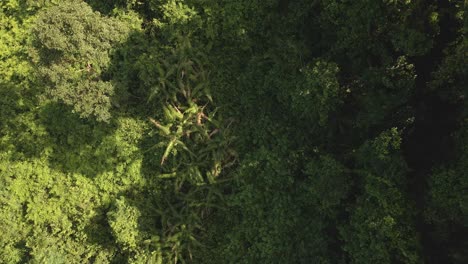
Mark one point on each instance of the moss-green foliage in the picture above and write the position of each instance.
(234, 131)
(63, 195)
(380, 228)
(321, 89)
(450, 78)
(448, 211)
(72, 45)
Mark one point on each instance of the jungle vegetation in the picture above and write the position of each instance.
(233, 131)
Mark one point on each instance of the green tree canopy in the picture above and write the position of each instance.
(72, 50)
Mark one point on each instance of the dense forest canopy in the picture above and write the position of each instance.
(233, 131)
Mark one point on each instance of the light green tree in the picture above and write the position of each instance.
(72, 52)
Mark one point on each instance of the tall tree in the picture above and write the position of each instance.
(72, 51)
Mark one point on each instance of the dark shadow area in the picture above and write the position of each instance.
(106, 6)
(125, 72)
(11, 106)
(99, 231)
(429, 142)
(127, 69)
(19, 134)
(78, 145)
(145, 200)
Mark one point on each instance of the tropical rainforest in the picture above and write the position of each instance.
(233, 131)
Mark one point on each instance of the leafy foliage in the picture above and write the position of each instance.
(380, 228)
(184, 131)
(72, 45)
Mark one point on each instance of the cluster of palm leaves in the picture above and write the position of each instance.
(196, 139)
(196, 146)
